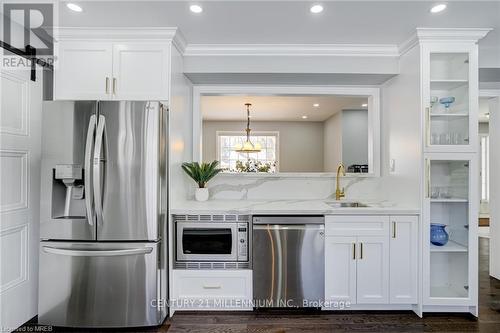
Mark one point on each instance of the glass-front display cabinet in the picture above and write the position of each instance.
(450, 228)
(450, 82)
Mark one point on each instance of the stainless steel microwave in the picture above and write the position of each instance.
(206, 241)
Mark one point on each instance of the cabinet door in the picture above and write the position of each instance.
(403, 260)
(83, 70)
(450, 82)
(450, 229)
(372, 270)
(141, 71)
(340, 269)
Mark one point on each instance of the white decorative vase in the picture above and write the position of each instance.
(201, 194)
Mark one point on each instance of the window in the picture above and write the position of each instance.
(227, 156)
(485, 168)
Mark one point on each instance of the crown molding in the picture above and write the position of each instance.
(472, 35)
(106, 33)
(382, 50)
(452, 34)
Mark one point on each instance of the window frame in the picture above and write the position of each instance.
(276, 134)
(374, 122)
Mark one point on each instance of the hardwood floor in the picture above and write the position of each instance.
(279, 321)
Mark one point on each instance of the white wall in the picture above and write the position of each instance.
(332, 148)
(300, 143)
(354, 137)
(401, 128)
(495, 188)
(181, 129)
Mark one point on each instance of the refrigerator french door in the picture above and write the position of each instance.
(102, 260)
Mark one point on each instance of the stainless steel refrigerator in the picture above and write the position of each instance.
(103, 251)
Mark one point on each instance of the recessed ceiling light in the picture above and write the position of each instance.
(316, 9)
(438, 8)
(74, 7)
(316, 105)
(196, 9)
(304, 117)
(364, 105)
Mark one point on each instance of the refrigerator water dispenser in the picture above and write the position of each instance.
(68, 192)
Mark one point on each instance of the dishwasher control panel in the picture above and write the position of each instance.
(242, 241)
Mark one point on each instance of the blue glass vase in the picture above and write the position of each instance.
(439, 236)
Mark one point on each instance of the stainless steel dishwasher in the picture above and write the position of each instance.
(288, 261)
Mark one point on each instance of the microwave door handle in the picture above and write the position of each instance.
(98, 184)
(88, 174)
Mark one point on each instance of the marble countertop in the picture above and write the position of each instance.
(298, 207)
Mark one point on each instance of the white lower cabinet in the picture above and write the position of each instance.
(373, 270)
(340, 269)
(212, 289)
(371, 263)
(403, 260)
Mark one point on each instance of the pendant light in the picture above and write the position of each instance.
(248, 146)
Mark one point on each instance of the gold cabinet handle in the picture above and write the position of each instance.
(107, 85)
(428, 126)
(360, 250)
(353, 251)
(393, 229)
(114, 86)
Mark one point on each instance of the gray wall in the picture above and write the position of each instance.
(354, 137)
(332, 150)
(300, 143)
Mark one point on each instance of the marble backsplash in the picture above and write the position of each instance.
(234, 187)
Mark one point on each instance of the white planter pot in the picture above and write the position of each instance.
(201, 194)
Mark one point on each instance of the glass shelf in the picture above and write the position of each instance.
(451, 246)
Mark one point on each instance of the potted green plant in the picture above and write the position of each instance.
(201, 173)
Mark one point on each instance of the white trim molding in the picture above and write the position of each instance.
(125, 33)
(382, 50)
(472, 35)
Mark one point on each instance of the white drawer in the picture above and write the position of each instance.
(341, 225)
(212, 289)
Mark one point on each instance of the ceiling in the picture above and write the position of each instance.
(276, 108)
(290, 22)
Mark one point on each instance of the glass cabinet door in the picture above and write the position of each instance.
(448, 223)
(449, 95)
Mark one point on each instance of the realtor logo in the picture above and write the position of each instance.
(28, 29)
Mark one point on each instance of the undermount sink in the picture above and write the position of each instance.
(346, 204)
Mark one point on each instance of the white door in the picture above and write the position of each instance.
(403, 260)
(20, 138)
(494, 106)
(141, 71)
(83, 70)
(372, 271)
(340, 269)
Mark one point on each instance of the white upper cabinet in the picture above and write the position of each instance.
(450, 88)
(140, 71)
(113, 64)
(83, 70)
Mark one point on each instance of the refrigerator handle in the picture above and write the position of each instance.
(88, 164)
(96, 253)
(97, 168)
